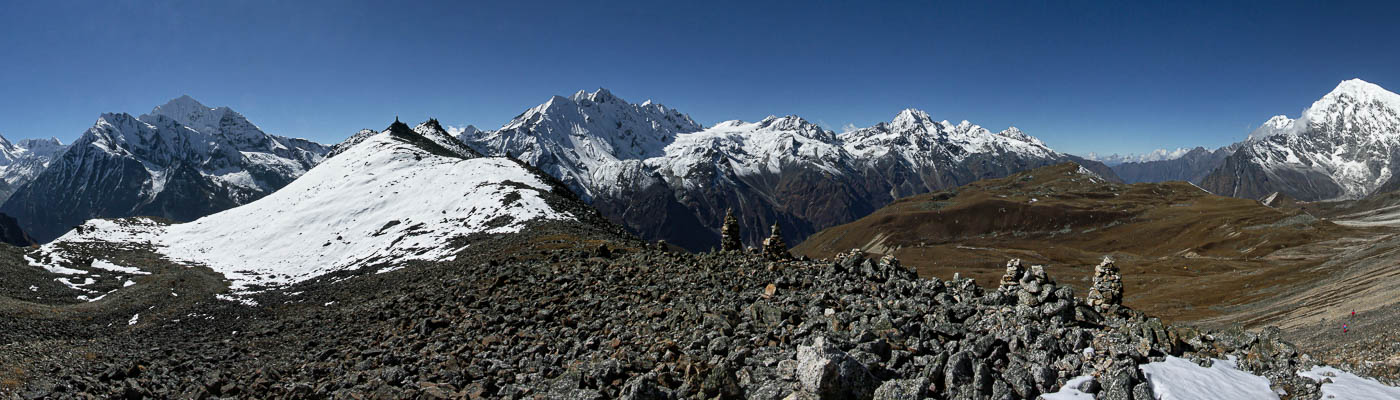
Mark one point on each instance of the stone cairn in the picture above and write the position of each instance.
(729, 233)
(774, 248)
(1107, 293)
(1011, 281)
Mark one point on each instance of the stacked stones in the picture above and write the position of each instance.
(774, 248)
(1010, 282)
(1107, 293)
(729, 233)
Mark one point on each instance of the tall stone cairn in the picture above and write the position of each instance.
(774, 248)
(1107, 293)
(1011, 280)
(729, 233)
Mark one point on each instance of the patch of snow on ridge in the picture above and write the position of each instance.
(1180, 379)
(1344, 385)
(106, 265)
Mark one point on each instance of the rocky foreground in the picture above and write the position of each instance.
(634, 324)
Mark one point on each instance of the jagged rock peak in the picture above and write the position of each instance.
(431, 123)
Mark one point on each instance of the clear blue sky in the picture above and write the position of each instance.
(1106, 77)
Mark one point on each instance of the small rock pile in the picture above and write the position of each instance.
(1106, 296)
(1011, 281)
(729, 237)
(774, 248)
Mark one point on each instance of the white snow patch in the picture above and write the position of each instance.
(1070, 391)
(241, 300)
(1346, 386)
(1180, 379)
(54, 268)
(103, 264)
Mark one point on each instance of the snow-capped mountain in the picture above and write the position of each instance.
(572, 138)
(656, 171)
(21, 162)
(182, 161)
(396, 195)
(1345, 146)
(915, 154)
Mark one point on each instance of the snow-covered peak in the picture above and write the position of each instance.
(1277, 125)
(574, 138)
(910, 119)
(598, 96)
(1018, 134)
(1355, 107)
(748, 148)
(190, 112)
(183, 108)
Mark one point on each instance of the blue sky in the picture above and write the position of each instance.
(1083, 76)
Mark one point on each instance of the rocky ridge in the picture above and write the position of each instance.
(636, 323)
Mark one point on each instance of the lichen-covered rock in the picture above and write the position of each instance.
(826, 371)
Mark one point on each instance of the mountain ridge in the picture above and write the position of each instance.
(782, 170)
(156, 165)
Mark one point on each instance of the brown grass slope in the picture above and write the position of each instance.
(1186, 254)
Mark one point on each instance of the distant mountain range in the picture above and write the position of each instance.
(661, 174)
(1192, 166)
(181, 161)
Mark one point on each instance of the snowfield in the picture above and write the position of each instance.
(383, 200)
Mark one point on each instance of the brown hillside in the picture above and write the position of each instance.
(1186, 254)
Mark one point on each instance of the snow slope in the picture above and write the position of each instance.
(1342, 385)
(394, 196)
